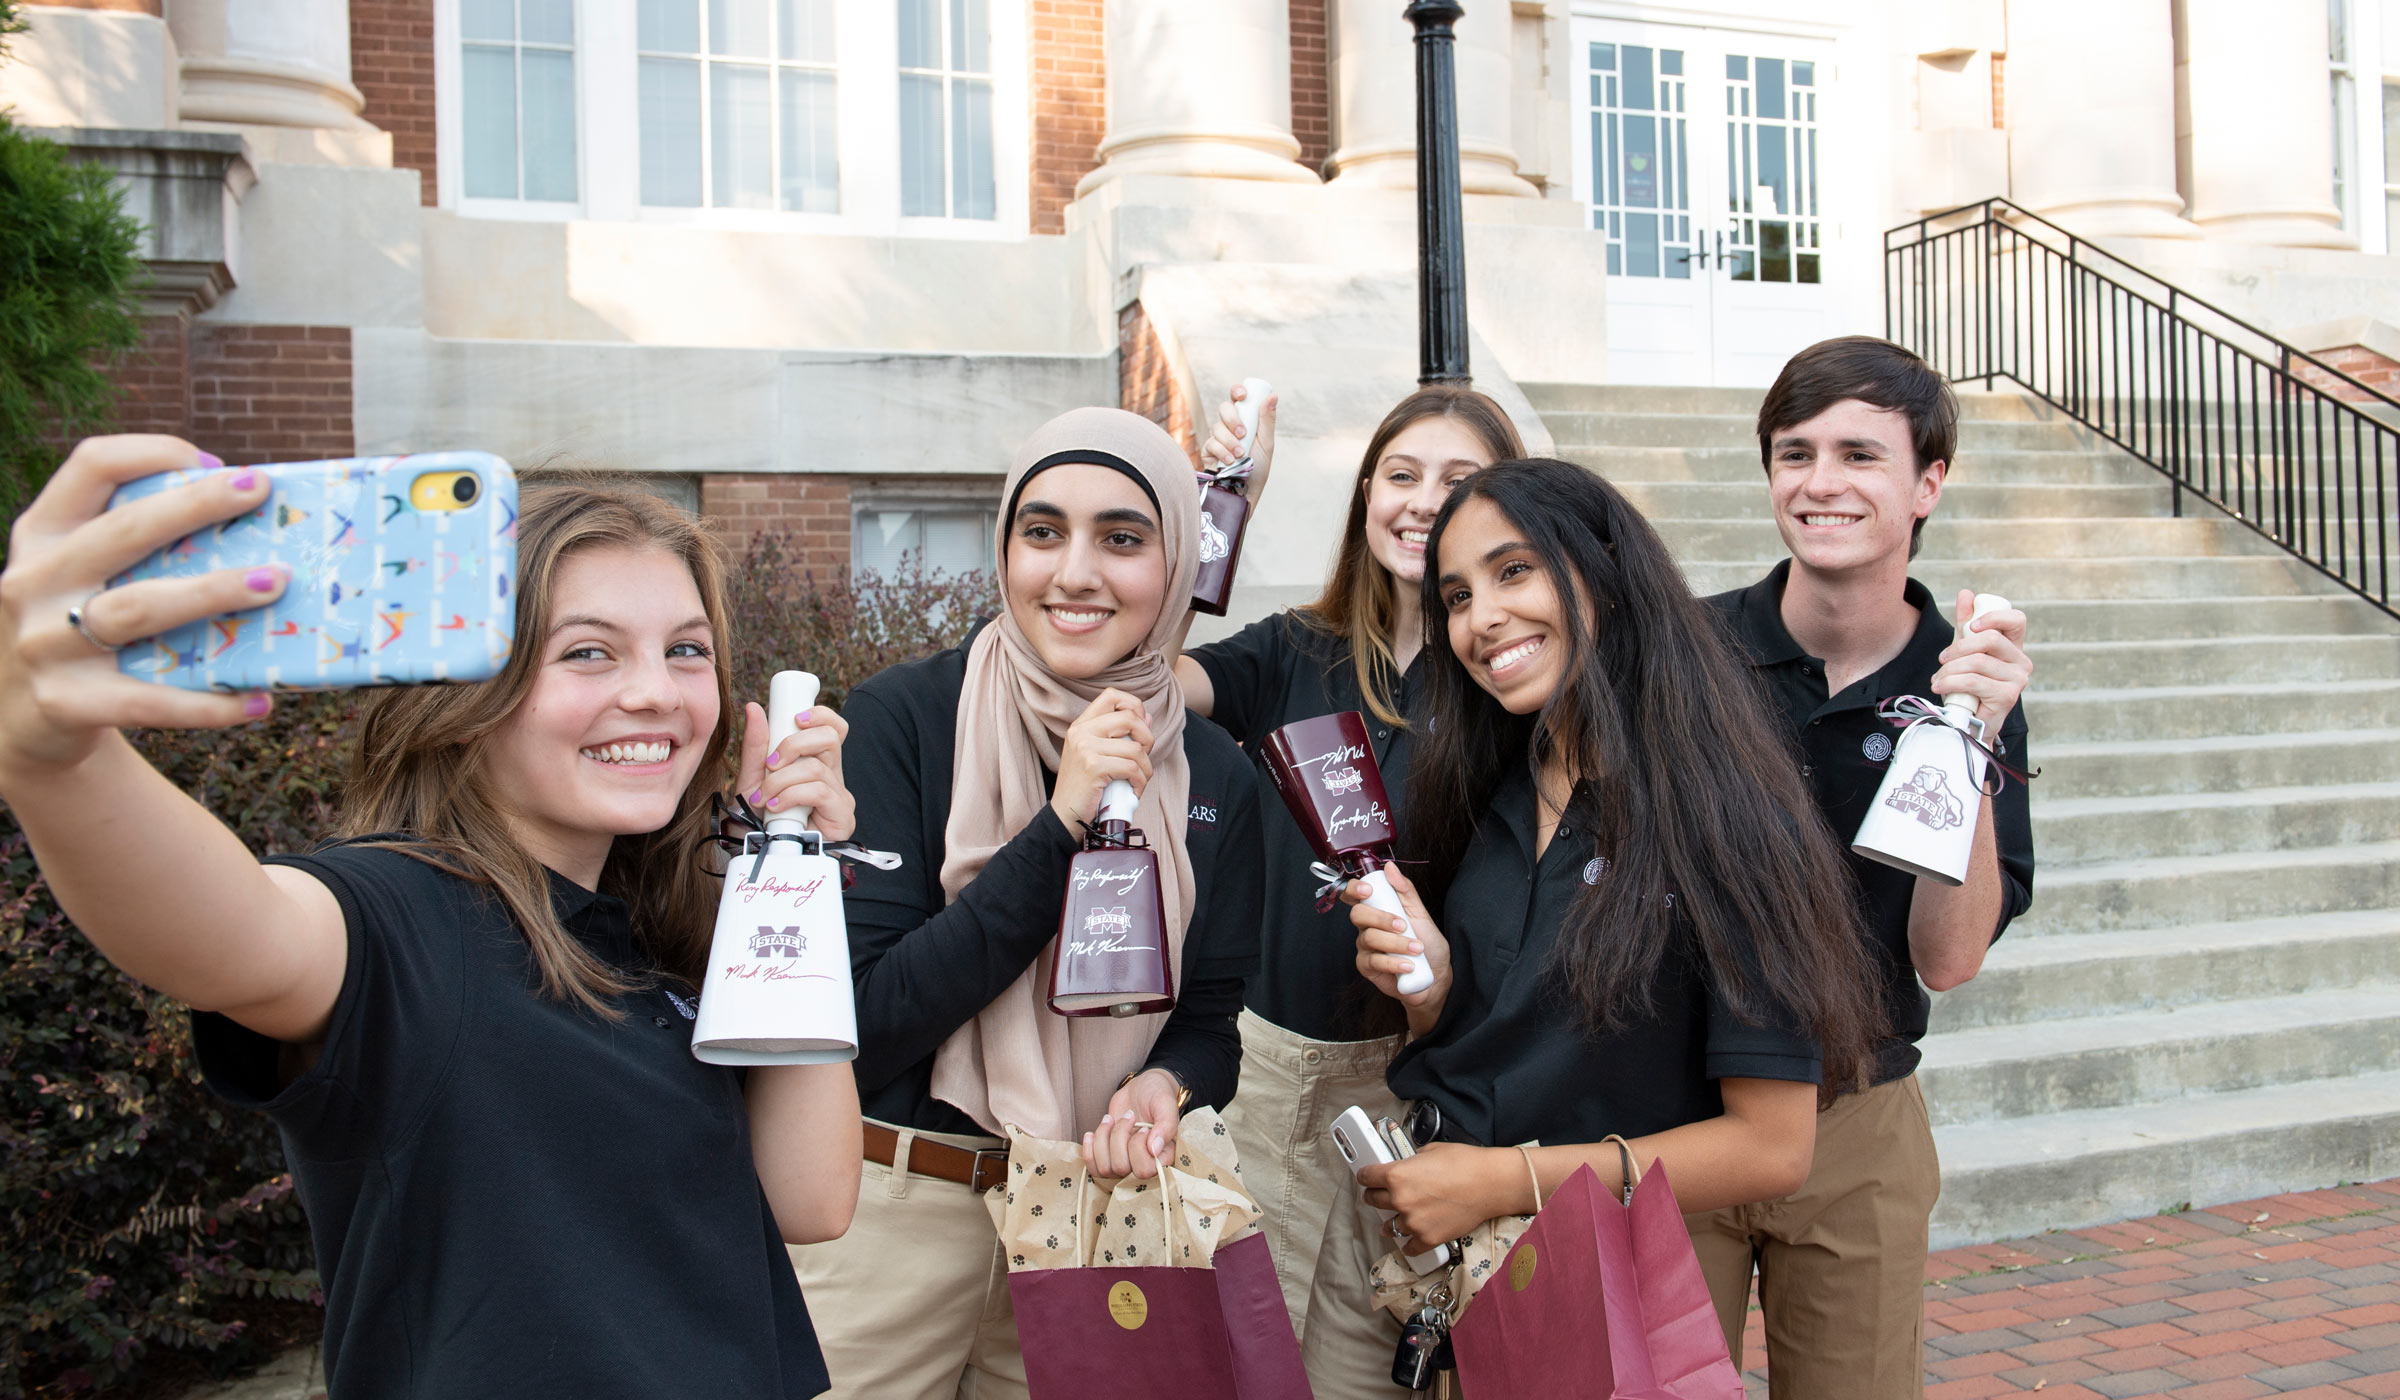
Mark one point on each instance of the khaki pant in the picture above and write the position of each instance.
(1841, 1264)
(912, 1303)
(1323, 1238)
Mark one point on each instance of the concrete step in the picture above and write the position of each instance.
(2113, 575)
(2189, 767)
(1740, 466)
(1672, 429)
(2219, 660)
(2174, 714)
(2133, 1057)
(2158, 619)
(2172, 890)
(1980, 540)
(2083, 830)
(1970, 500)
(2028, 979)
(1974, 406)
(2061, 1171)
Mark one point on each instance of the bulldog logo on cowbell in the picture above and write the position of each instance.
(1107, 923)
(769, 941)
(1341, 780)
(1927, 797)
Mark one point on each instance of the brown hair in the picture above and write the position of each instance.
(1875, 372)
(1357, 602)
(418, 768)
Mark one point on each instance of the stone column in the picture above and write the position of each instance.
(2091, 115)
(267, 63)
(1199, 90)
(2261, 123)
(1375, 104)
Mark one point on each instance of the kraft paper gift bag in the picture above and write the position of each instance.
(1164, 1286)
(1598, 1300)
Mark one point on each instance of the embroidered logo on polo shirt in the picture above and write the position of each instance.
(688, 1010)
(1204, 811)
(1594, 868)
(1877, 748)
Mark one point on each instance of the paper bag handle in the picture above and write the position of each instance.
(1633, 1172)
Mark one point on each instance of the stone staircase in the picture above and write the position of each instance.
(2203, 1003)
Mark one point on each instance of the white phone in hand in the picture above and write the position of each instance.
(1359, 1141)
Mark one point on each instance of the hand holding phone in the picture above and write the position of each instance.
(1361, 1140)
(400, 571)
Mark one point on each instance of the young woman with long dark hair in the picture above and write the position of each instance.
(1645, 929)
(469, 1018)
(1315, 1039)
(979, 766)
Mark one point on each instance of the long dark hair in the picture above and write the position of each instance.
(1684, 774)
(1357, 602)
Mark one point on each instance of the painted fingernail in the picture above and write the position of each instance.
(773, 800)
(210, 461)
(257, 705)
(805, 715)
(262, 580)
(773, 759)
(1104, 1119)
(757, 795)
(245, 481)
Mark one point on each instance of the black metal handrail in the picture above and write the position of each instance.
(2264, 431)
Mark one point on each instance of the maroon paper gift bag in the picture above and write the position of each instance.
(1165, 1334)
(1598, 1301)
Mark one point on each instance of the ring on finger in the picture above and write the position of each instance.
(77, 618)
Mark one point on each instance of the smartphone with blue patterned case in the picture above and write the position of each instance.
(403, 571)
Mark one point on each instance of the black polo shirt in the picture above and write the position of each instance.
(1844, 752)
(510, 1196)
(926, 967)
(1508, 1062)
(1272, 672)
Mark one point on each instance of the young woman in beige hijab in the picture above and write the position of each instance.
(980, 766)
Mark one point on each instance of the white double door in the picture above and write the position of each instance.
(1699, 156)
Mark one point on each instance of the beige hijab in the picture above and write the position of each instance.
(1018, 1063)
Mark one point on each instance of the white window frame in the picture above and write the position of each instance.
(866, 118)
(873, 495)
(449, 120)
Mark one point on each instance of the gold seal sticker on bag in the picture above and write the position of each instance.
(1127, 1305)
(1520, 1268)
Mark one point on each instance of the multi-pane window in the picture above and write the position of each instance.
(517, 100)
(946, 540)
(1641, 168)
(946, 166)
(737, 104)
(1776, 228)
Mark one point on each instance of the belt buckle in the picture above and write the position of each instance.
(975, 1178)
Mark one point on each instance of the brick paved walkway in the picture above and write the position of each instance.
(2294, 1295)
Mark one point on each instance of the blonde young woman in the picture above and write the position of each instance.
(1315, 1039)
(980, 766)
(469, 1015)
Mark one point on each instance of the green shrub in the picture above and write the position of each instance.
(69, 267)
(142, 1213)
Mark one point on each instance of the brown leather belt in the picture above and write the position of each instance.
(975, 1170)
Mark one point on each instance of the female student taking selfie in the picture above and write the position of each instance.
(981, 766)
(469, 1016)
(1643, 926)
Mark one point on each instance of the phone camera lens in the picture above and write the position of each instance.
(463, 489)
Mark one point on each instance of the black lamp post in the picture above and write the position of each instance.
(1441, 221)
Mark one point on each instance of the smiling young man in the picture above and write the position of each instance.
(1856, 436)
